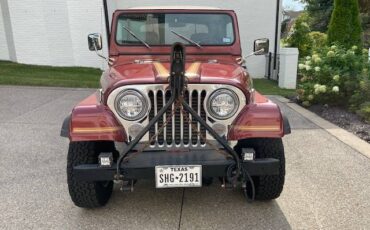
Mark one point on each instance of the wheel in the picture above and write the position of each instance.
(88, 194)
(266, 187)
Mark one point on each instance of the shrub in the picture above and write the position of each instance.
(362, 93)
(345, 26)
(365, 111)
(298, 36)
(319, 40)
(336, 76)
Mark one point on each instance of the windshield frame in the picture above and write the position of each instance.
(175, 12)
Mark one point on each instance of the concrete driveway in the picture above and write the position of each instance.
(327, 182)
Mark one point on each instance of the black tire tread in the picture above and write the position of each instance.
(86, 194)
(268, 187)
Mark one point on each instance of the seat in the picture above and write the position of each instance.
(206, 38)
(152, 38)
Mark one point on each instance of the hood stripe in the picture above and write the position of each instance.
(161, 70)
(191, 72)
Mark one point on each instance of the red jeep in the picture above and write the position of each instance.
(177, 106)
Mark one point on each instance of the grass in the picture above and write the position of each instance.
(19, 74)
(269, 87)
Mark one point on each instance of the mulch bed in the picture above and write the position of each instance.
(344, 119)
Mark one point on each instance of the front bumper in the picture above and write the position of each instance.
(142, 166)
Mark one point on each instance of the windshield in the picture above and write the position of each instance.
(166, 29)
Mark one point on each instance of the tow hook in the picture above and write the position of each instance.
(127, 185)
(227, 185)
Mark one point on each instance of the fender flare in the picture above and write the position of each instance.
(92, 121)
(286, 125)
(259, 120)
(65, 130)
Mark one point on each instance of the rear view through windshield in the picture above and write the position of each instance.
(166, 29)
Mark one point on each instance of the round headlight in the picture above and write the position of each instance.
(131, 105)
(223, 104)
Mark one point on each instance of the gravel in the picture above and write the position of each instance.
(344, 119)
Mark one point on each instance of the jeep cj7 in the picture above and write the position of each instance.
(176, 105)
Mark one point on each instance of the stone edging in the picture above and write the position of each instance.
(341, 134)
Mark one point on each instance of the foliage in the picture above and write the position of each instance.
(345, 26)
(336, 76)
(298, 36)
(319, 40)
(365, 18)
(364, 6)
(362, 93)
(364, 111)
(303, 39)
(319, 12)
(284, 27)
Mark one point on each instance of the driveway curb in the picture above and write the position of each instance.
(346, 137)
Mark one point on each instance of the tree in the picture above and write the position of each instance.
(319, 12)
(299, 36)
(345, 25)
(364, 6)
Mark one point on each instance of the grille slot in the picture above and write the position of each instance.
(178, 132)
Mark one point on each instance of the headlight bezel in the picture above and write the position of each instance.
(145, 110)
(218, 92)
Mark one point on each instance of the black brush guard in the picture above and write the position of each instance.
(213, 163)
(177, 87)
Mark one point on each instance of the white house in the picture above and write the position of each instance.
(54, 32)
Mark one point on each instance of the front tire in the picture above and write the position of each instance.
(87, 194)
(266, 187)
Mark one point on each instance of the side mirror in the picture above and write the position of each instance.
(261, 46)
(95, 42)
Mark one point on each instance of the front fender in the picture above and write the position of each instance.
(262, 119)
(92, 121)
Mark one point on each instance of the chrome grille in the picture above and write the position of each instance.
(157, 95)
(178, 133)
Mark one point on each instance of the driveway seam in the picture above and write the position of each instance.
(182, 205)
(38, 107)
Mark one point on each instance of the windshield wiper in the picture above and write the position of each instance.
(135, 36)
(186, 39)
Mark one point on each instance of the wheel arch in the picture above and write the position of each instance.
(259, 120)
(92, 121)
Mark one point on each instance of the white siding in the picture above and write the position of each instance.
(86, 16)
(4, 51)
(29, 32)
(256, 20)
(54, 32)
(58, 34)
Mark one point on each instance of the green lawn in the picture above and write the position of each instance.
(18, 74)
(268, 87)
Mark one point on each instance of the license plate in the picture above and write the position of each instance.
(178, 176)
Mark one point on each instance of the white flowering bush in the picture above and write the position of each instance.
(334, 75)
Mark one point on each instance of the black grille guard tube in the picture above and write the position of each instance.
(138, 138)
(177, 87)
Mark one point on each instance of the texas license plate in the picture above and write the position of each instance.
(178, 176)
